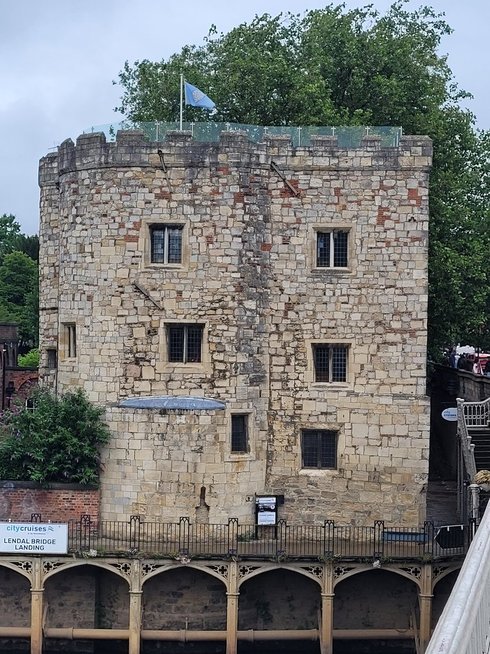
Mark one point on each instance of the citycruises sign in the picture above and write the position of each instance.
(33, 538)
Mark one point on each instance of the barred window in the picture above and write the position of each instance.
(330, 362)
(331, 249)
(185, 343)
(166, 243)
(319, 448)
(239, 433)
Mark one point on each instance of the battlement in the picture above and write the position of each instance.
(133, 148)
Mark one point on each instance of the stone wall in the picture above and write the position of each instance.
(249, 275)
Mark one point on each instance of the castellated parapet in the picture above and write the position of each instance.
(288, 283)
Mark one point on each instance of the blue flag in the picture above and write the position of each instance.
(197, 98)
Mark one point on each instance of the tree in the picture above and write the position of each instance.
(19, 295)
(57, 440)
(339, 67)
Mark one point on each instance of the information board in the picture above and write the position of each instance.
(266, 510)
(33, 538)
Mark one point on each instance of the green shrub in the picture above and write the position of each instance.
(30, 359)
(58, 440)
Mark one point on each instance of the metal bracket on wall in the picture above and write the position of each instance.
(276, 169)
(147, 294)
(164, 168)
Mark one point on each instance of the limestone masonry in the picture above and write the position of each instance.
(289, 284)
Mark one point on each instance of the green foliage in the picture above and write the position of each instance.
(19, 295)
(30, 359)
(58, 440)
(347, 67)
(12, 240)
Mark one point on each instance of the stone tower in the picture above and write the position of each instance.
(287, 284)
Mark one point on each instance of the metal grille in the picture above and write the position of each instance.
(319, 448)
(330, 363)
(239, 433)
(331, 249)
(184, 343)
(323, 249)
(166, 243)
(339, 249)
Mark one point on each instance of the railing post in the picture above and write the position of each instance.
(281, 536)
(134, 532)
(378, 542)
(428, 538)
(328, 538)
(232, 537)
(184, 534)
(475, 503)
(85, 532)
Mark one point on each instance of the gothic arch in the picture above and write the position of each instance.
(257, 570)
(441, 573)
(17, 567)
(115, 569)
(402, 572)
(209, 570)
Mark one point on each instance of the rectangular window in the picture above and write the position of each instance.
(70, 340)
(239, 433)
(52, 358)
(319, 448)
(331, 249)
(184, 343)
(166, 243)
(330, 362)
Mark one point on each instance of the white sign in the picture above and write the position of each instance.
(33, 538)
(266, 510)
(450, 414)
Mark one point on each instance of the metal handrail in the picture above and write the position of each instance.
(467, 448)
(464, 626)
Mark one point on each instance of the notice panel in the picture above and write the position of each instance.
(33, 538)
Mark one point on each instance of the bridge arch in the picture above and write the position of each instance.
(94, 564)
(11, 566)
(278, 566)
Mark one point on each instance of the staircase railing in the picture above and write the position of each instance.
(476, 414)
(464, 626)
(467, 447)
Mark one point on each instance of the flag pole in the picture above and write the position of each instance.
(181, 98)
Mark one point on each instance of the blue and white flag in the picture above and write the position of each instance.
(197, 98)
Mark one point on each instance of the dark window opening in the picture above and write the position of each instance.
(52, 358)
(330, 362)
(319, 448)
(332, 249)
(185, 343)
(166, 243)
(239, 433)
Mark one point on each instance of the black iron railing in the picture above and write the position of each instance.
(184, 540)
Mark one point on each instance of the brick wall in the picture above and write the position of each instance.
(18, 502)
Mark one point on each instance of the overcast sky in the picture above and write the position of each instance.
(58, 59)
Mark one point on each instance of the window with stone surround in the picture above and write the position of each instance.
(166, 243)
(332, 248)
(51, 358)
(69, 340)
(330, 362)
(239, 433)
(184, 342)
(319, 448)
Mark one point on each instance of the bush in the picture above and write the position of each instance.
(58, 440)
(30, 359)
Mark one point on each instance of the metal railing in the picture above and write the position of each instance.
(325, 542)
(347, 137)
(476, 414)
(464, 626)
